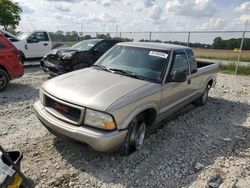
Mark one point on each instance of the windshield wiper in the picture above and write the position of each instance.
(101, 67)
(127, 73)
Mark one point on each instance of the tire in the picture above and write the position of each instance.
(135, 136)
(4, 80)
(80, 66)
(202, 99)
(22, 57)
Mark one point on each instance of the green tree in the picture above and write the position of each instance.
(9, 14)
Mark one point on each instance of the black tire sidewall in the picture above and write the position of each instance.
(5, 75)
(128, 146)
(205, 94)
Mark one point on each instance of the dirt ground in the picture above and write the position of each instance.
(205, 146)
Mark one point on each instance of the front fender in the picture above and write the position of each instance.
(126, 115)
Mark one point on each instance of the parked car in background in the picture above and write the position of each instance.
(31, 45)
(130, 88)
(10, 63)
(79, 56)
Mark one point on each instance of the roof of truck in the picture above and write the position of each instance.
(154, 45)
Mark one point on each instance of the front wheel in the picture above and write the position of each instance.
(135, 136)
(4, 80)
(202, 99)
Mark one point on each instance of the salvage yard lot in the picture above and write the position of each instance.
(216, 135)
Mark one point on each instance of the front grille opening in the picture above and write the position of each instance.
(67, 111)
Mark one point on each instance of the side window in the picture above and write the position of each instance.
(192, 61)
(103, 47)
(40, 36)
(179, 63)
(1, 45)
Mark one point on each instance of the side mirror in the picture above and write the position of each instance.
(179, 76)
(32, 40)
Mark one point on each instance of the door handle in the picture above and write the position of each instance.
(45, 44)
(189, 82)
(26, 46)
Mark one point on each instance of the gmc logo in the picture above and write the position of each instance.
(61, 107)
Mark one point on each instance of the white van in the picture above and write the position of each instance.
(31, 45)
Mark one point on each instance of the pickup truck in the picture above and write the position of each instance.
(31, 45)
(130, 88)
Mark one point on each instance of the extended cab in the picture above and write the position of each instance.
(131, 87)
(31, 45)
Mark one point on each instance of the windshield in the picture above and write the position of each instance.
(142, 62)
(22, 36)
(84, 45)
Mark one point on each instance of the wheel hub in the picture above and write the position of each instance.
(140, 135)
(205, 95)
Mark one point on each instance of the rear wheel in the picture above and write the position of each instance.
(80, 66)
(135, 136)
(202, 99)
(4, 80)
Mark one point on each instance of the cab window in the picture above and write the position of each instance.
(179, 63)
(103, 47)
(40, 36)
(192, 61)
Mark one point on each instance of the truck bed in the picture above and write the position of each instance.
(204, 67)
(201, 64)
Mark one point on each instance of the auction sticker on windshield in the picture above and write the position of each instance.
(158, 54)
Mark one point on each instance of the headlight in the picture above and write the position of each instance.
(99, 119)
(67, 55)
(41, 96)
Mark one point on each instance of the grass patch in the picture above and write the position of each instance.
(230, 69)
(228, 55)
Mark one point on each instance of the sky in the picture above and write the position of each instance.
(132, 15)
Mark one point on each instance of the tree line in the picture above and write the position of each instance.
(218, 43)
(230, 44)
(75, 36)
(193, 45)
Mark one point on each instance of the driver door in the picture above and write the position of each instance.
(174, 93)
(37, 45)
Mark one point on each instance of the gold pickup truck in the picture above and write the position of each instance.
(130, 88)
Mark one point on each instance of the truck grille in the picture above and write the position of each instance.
(63, 110)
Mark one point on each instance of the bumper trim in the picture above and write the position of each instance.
(97, 139)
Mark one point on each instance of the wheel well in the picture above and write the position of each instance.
(149, 116)
(3, 68)
(22, 54)
(210, 83)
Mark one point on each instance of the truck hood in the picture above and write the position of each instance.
(92, 88)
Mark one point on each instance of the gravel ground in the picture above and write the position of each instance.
(205, 146)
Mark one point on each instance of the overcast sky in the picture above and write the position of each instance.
(132, 15)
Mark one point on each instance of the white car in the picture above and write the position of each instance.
(31, 45)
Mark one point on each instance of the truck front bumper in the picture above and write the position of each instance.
(97, 139)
